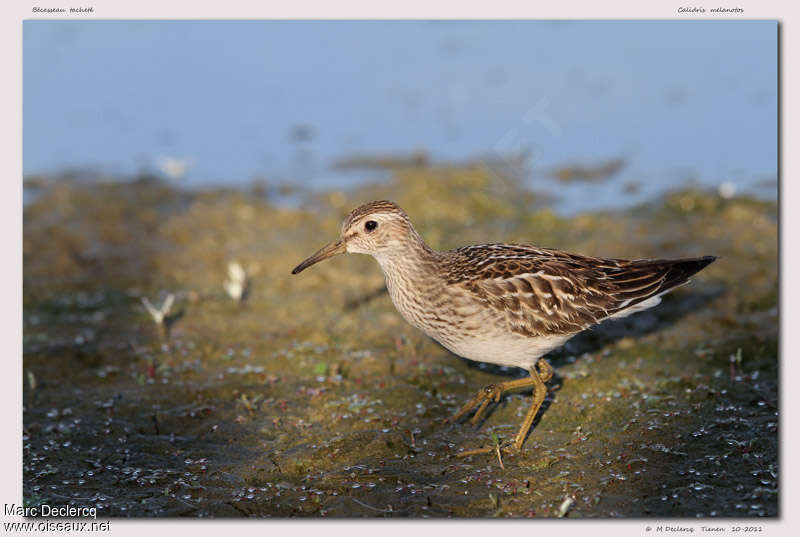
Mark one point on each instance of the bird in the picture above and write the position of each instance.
(503, 304)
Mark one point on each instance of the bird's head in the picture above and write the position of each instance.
(375, 228)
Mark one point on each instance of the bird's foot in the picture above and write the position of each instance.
(494, 392)
(486, 395)
(506, 447)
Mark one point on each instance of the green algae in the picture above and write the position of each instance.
(314, 398)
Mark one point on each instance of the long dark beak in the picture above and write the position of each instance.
(334, 248)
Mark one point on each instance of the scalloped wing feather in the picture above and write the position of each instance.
(543, 291)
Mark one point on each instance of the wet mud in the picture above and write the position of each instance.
(313, 398)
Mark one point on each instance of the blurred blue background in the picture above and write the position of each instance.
(227, 102)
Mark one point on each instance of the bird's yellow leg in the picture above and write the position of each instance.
(538, 379)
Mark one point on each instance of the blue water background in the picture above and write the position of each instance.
(283, 100)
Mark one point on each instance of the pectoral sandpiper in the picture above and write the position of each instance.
(503, 304)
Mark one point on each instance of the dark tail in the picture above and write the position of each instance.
(643, 279)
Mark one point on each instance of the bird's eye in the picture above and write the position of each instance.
(370, 225)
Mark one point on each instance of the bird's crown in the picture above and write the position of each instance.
(380, 206)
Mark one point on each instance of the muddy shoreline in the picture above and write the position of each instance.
(313, 398)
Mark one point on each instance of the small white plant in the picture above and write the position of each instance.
(174, 168)
(237, 282)
(563, 509)
(31, 380)
(159, 314)
(727, 190)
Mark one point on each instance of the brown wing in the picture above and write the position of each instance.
(544, 292)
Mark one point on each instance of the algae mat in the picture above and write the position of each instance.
(312, 397)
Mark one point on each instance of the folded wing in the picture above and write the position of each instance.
(542, 291)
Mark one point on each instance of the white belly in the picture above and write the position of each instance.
(507, 349)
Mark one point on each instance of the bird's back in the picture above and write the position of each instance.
(543, 291)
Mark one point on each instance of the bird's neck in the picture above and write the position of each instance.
(412, 279)
(406, 254)
(407, 257)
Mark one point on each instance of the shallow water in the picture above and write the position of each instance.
(314, 398)
(658, 95)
